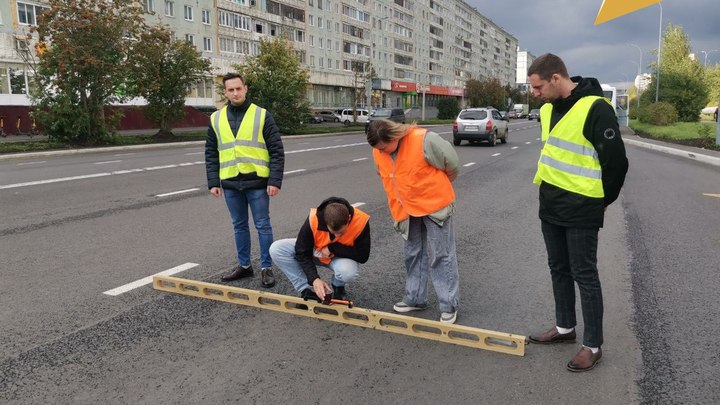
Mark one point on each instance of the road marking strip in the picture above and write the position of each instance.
(194, 153)
(468, 164)
(514, 147)
(177, 192)
(528, 143)
(357, 204)
(159, 167)
(712, 195)
(32, 163)
(495, 154)
(327, 147)
(147, 280)
(107, 161)
(124, 154)
(359, 159)
(294, 171)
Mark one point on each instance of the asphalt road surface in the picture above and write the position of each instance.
(74, 228)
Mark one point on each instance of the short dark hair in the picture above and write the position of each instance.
(547, 65)
(232, 75)
(336, 215)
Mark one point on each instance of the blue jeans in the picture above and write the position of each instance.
(237, 202)
(430, 250)
(283, 254)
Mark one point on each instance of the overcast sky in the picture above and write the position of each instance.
(565, 28)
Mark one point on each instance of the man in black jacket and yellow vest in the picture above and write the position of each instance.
(244, 160)
(335, 235)
(581, 170)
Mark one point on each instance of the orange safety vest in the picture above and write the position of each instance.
(413, 186)
(354, 229)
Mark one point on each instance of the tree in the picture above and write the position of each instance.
(448, 108)
(163, 72)
(84, 67)
(483, 93)
(681, 78)
(712, 83)
(363, 74)
(278, 83)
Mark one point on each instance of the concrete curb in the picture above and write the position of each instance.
(711, 160)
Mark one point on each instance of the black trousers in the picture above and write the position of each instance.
(572, 257)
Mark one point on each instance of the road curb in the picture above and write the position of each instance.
(94, 150)
(711, 160)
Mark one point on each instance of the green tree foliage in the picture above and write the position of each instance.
(277, 82)
(483, 93)
(681, 78)
(448, 108)
(660, 113)
(163, 72)
(712, 83)
(85, 67)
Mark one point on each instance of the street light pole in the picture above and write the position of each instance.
(657, 88)
(708, 53)
(639, 73)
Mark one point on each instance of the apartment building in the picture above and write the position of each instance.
(415, 47)
(524, 60)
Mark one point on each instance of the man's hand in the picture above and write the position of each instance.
(272, 191)
(326, 252)
(321, 288)
(216, 191)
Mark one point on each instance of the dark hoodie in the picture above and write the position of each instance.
(273, 143)
(565, 208)
(305, 243)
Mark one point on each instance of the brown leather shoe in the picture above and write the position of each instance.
(584, 360)
(238, 273)
(553, 336)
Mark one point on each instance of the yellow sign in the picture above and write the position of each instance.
(611, 9)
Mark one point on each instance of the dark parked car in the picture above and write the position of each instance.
(315, 119)
(480, 124)
(392, 114)
(534, 114)
(329, 116)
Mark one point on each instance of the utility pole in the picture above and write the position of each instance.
(657, 88)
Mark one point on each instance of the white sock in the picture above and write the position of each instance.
(594, 350)
(564, 331)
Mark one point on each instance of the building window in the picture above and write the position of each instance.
(190, 38)
(207, 44)
(28, 13)
(170, 8)
(149, 6)
(189, 13)
(206, 17)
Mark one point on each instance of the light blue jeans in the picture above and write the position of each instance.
(283, 254)
(430, 249)
(258, 200)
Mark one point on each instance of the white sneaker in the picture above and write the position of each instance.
(448, 317)
(403, 307)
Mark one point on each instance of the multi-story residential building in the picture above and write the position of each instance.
(524, 60)
(412, 46)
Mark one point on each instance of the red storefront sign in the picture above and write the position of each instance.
(410, 87)
(402, 87)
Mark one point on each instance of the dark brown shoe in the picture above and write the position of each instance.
(267, 279)
(552, 336)
(238, 273)
(584, 360)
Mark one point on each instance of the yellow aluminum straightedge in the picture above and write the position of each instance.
(404, 325)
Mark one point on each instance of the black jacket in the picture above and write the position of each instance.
(305, 243)
(565, 208)
(274, 145)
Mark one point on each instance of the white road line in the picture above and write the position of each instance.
(528, 143)
(468, 164)
(32, 163)
(359, 159)
(537, 139)
(177, 192)
(294, 171)
(124, 154)
(147, 280)
(357, 204)
(35, 183)
(496, 154)
(327, 147)
(107, 161)
(194, 153)
(127, 171)
(159, 167)
(514, 147)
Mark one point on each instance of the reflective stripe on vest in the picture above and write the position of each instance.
(413, 186)
(322, 238)
(244, 152)
(568, 160)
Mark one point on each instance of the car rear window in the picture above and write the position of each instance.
(381, 113)
(473, 115)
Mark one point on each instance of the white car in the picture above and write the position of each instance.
(480, 125)
(346, 116)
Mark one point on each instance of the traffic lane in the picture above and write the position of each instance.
(183, 347)
(674, 238)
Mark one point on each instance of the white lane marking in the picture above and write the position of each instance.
(528, 143)
(124, 154)
(537, 139)
(357, 204)
(159, 167)
(86, 176)
(177, 192)
(107, 161)
(294, 171)
(34, 183)
(194, 153)
(32, 163)
(468, 164)
(147, 280)
(359, 159)
(514, 147)
(495, 154)
(327, 147)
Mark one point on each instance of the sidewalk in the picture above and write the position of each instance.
(131, 132)
(707, 156)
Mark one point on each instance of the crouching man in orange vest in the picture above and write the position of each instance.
(335, 235)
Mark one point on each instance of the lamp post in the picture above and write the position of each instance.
(639, 72)
(657, 88)
(708, 53)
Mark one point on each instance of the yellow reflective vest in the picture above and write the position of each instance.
(244, 152)
(568, 160)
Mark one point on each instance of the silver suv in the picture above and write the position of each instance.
(480, 124)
